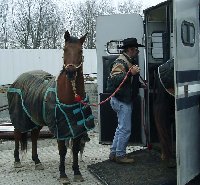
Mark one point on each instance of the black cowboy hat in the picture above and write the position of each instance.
(130, 42)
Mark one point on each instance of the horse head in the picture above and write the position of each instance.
(73, 55)
(70, 82)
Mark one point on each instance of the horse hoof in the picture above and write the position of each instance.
(64, 180)
(39, 166)
(78, 178)
(17, 165)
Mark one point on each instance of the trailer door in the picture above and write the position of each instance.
(110, 31)
(187, 78)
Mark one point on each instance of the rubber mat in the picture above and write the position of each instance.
(147, 170)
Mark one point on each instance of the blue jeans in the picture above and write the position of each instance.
(123, 130)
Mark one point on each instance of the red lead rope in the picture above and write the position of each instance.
(117, 89)
(78, 99)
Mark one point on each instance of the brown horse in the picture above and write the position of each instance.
(37, 98)
(164, 110)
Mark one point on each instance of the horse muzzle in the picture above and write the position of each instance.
(71, 74)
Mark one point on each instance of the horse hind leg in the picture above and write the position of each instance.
(17, 136)
(75, 149)
(34, 138)
(164, 132)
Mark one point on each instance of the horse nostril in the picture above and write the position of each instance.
(70, 74)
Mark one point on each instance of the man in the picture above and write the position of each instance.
(121, 103)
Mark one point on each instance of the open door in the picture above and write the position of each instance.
(110, 31)
(187, 79)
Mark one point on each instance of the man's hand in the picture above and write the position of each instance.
(135, 69)
(143, 85)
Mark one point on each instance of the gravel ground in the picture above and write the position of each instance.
(48, 153)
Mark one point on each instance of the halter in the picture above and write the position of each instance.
(68, 72)
(68, 65)
(77, 97)
(77, 67)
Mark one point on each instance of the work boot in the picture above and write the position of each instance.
(112, 157)
(124, 160)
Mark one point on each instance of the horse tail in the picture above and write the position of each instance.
(23, 141)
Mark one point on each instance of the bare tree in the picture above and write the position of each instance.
(130, 6)
(41, 23)
(53, 27)
(84, 18)
(84, 14)
(4, 24)
(37, 24)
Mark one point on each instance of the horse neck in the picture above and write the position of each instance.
(79, 83)
(65, 91)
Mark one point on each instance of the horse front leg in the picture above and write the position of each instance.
(17, 163)
(75, 149)
(34, 138)
(62, 152)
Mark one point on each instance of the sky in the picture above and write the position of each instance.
(146, 3)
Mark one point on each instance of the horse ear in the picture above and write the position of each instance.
(67, 36)
(82, 39)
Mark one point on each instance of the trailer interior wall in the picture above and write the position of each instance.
(158, 32)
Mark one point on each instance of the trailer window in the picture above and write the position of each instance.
(156, 45)
(188, 33)
(113, 47)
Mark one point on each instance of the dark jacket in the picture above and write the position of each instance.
(130, 89)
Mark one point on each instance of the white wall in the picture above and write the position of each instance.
(17, 61)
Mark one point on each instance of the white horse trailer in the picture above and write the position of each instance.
(169, 29)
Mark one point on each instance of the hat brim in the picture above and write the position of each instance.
(130, 46)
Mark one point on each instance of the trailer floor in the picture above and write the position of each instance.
(147, 170)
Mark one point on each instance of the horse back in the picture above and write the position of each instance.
(25, 99)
